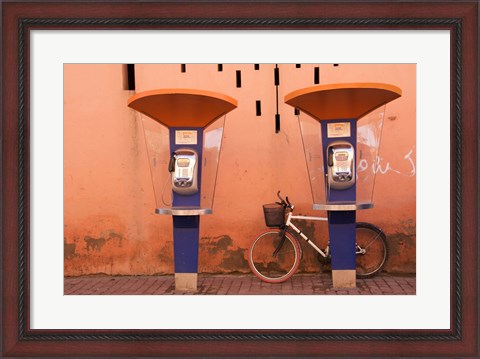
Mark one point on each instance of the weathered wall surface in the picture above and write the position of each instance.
(110, 225)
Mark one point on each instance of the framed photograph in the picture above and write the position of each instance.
(39, 38)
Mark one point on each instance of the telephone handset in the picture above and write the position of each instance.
(183, 166)
(341, 165)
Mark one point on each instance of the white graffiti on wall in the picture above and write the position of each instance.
(380, 166)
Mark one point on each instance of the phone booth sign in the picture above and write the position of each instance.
(183, 130)
(341, 128)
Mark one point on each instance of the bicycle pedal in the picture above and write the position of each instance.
(323, 260)
(326, 268)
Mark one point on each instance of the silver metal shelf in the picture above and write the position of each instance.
(342, 206)
(184, 211)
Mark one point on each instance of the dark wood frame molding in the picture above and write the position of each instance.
(460, 18)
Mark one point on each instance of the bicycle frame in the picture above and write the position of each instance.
(289, 223)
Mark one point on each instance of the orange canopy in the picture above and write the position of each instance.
(342, 101)
(182, 107)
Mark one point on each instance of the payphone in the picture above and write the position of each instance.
(190, 132)
(341, 165)
(332, 139)
(183, 166)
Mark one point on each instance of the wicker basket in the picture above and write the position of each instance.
(274, 215)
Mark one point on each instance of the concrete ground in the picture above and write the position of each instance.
(318, 284)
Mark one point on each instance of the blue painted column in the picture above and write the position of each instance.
(186, 229)
(185, 243)
(341, 228)
(341, 224)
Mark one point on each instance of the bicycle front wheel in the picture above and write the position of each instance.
(274, 258)
(372, 250)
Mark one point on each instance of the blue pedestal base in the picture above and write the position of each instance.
(185, 247)
(342, 233)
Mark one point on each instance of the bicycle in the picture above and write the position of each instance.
(274, 256)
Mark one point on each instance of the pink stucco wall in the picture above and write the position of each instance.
(110, 225)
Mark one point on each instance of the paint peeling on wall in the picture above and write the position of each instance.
(221, 254)
(68, 249)
(98, 243)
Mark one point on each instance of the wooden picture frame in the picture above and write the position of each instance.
(460, 18)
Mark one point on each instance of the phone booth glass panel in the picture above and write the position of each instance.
(212, 144)
(369, 132)
(158, 149)
(312, 145)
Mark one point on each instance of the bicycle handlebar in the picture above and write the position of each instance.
(284, 202)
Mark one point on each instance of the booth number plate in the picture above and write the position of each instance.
(185, 137)
(339, 129)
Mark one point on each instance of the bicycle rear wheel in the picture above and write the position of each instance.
(274, 267)
(371, 248)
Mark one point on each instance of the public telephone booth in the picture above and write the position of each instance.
(183, 130)
(341, 127)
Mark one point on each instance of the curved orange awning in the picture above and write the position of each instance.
(182, 107)
(342, 101)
